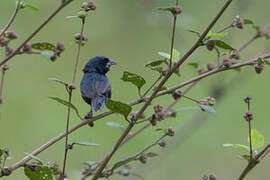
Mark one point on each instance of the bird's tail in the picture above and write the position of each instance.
(98, 103)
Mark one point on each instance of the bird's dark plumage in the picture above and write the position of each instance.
(95, 86)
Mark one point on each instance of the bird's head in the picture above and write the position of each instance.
(99, 64)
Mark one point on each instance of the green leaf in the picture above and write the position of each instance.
(118, 107)
(35, 158)
(154, 63)
(113, 124)
(90, 163)
(64, 102)
(194, 64)
(31, 7)
(238, 69)
(157, 68)
(164, 54)
(245, 156)
(257, 28)
(59, 81)
(175, 55)
(124, 161)
(1, 152)
(151, 154)
(257, 139)
(47, 54)
(223, 45)
(40, 173)
(207, 109)
(42, 46)
(248, 21)
(170, 9)
(267, 61)
(86, 143)
(237, 146)
(218, 35)
(260, 61)
(135, 79)
(195, 32)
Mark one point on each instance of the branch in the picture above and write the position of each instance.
(35, 32)
(11, 19)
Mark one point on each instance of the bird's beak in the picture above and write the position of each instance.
(111, 62)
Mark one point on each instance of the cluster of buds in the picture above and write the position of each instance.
(85, 7)
(248, 116)
(59, 48)
(238, 22)
(159, 114)
(209, 101)
(259, 68)
(210, 177)
(165, 71)
(27, 48)
(162, 143)
(247, 99)
(227, 62)
(8, 36)
(234, 54)
(210, 45)
(143, 158)
(170, 132)
(210, 66)
(177, 94)
(177, 10)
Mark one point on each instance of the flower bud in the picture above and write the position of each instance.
(259, 68)
(177, 10)
(227, 62)
(11, 35)
(3, 42)
(247, 99)
(162, 143)
(27, 49)
(210, 66)
(8, 51)
(213, 177)
(210, 45)
(248, 116)
(143, 158)
(170, 132)
(92, 5)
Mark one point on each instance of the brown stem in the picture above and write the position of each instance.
(137, 101)
(250, 141)
(70, 95)
(173, 38)
(225, 28)
(152, 86)
(256, 36)
(11, 19)
(35, 32)
(2, 85)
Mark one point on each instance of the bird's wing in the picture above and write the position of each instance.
(102, 85)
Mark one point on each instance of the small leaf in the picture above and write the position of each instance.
(194, 64)
(113, 124)
(40, 173)
(238, 69)
(64, 102)
(47, 54)
(207, 109)
(260, 61)
(90, 163)
(124, 161)
(35, 158)
(165, 55)
(118, 107)
(135, 79)
(218, 35)
(223, 45)
(32, 7)
(245, 156)
(237, 146)
(170, 9)
(42, 46)
(59, 81)
(195, 32)
(86, 143)
(157, 68)
(257, 139)
(69, 17)
(248, 21)
(154, 63)
(151, 154)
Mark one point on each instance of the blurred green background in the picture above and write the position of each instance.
(132, 32)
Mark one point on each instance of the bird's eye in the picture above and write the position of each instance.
(106, 60)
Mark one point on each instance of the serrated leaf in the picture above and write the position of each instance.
(118, 107)
(248, 21)
(135, 79)
(170, 9)
(64, 102)
(40, 173)
(124, 161)
(257, 139)
(42, 46)
(151, 154)
(195, 32)
(113, 124)
(194, 64)
(32, 7)
(86, 144)
(154, 63)
(207, 109)
(157, 68)
(35, 158)
(237, 146)
(59, 81)
(90, 163)
(223, 45)
(47, 54)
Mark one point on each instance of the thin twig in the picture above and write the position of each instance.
(35, 31)
(225, 28)
(152, 86)
(249, 135)
(2, 32)
(2, 84)
(135, 102)
(70, 96)
(256, 36)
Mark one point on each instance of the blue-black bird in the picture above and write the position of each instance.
(95, 86)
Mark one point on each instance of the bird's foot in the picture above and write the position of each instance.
(88, 115)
